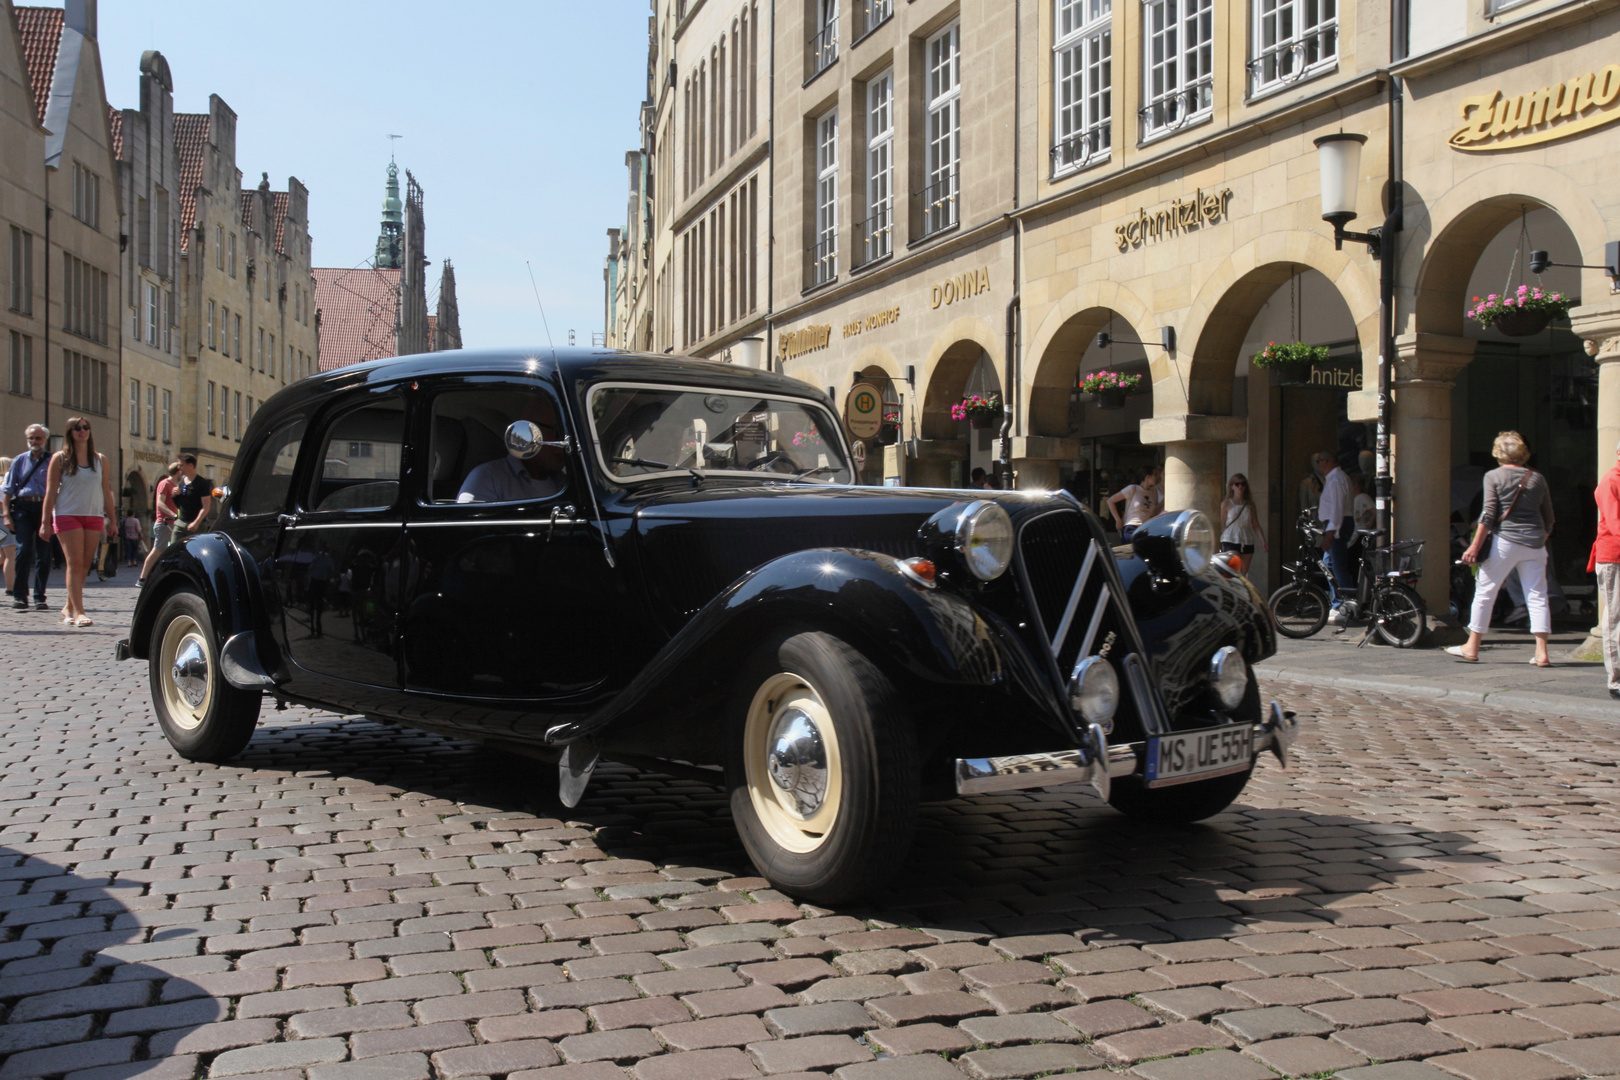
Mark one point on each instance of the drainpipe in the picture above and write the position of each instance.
(1009, 383)
(1389, 262)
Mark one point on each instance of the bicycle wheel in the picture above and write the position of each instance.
(1299, 608)
(1399, 615)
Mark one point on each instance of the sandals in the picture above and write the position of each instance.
(1456, 650)
(1540, 663)
(83, 620)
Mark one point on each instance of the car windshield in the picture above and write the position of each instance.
(644, 431)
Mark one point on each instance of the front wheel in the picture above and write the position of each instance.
(1299, 608)
(822, 768)
(204, 717)
(1177, 805)
(1399, 615)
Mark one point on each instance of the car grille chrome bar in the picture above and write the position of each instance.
(1074, 601)
(1103, 600)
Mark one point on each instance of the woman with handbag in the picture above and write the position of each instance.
(1518, 518)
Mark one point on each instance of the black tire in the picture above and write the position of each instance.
(1299, 608)
(204, 717)
(1193, 801)
(1400, 616)
(858, 828)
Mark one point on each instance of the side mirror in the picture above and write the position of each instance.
(524, 439)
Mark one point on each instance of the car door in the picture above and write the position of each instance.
(338, 557)
(506, 596)
(259, 505)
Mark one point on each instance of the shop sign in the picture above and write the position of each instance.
(863, 411)
(1336, 377)
(1182, 215)
(962, 286)
(150, 455)
(872, 322)
(1494, 122)
(798, 342)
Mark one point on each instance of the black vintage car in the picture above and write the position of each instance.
(582, 555)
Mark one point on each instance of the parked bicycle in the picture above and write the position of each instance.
(1383, 596)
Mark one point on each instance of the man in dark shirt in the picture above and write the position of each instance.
(193, 495)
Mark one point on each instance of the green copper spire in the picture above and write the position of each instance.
(393, 224)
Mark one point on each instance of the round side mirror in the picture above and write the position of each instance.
(524, 439)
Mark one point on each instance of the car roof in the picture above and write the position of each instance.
(578, 367)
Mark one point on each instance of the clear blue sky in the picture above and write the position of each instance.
(515, 116)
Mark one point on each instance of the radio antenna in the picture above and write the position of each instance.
(542, 308)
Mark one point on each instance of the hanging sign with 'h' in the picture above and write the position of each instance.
(863, 411)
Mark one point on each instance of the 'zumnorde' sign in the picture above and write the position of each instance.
(1494, 122)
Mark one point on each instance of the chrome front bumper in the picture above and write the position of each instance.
(1019, 772)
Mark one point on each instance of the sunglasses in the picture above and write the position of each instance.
(82, 427)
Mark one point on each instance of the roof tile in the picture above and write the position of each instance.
(115, 122)
(41, 33)
(359, 309)
(191, 132)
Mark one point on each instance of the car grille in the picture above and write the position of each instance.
(1059, 554)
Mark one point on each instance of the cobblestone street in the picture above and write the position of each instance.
(1430, 892)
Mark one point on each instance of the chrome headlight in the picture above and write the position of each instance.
(984, 538)
(1195, 541)
(1228, 677)
(1094, 691)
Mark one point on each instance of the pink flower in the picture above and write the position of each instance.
(1523, 289)
(1493, 296)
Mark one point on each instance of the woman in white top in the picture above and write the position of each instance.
(79, 508)
(1240, 528)
(1145, 501)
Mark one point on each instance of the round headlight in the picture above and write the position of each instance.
(1195, 541)
(1228, 677)
(1094, 691)
(984, 537)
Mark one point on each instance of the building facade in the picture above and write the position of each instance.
(963, 195)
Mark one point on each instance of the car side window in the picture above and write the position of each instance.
(468, 459)
(359, 466)
(268, 480)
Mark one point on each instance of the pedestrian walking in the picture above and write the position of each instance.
(1605, 559)
(163, 514)
(1143, 501)
(132, 538)
(22, 498)
(1518, 518)
(79, 509)
(193, 495)
(1337, 512)
(8, 542)
(1310, 488)
(1241, 525)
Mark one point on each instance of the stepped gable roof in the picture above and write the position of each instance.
(245, 201)
(115, 124)
(279, 204)
(359, 313)
(190, 144)
(41, 32)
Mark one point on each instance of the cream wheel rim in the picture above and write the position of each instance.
(792, 763)
(187, 677)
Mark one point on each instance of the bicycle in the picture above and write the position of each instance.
(1383, 592)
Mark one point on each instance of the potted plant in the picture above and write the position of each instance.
(1520, 314)
(981, 412)
(889, 433)
(1291, 361)
(1110, 388)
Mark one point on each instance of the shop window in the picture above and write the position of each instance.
(1177, 61)
(1293, 40)
(1083, 82)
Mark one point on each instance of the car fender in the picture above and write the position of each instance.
(929, 633)
(217, 569)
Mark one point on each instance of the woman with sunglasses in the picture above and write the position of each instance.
(1241, 526)
(79, 508)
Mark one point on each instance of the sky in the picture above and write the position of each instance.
(515, 117)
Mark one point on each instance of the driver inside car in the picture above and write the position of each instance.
(510, 478)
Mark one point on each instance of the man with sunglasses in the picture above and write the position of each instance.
(22, 501)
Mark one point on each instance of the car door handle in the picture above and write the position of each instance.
(286, 519)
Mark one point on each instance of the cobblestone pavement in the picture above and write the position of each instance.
(1428, 893)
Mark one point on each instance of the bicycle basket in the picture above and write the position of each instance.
(1402, 558)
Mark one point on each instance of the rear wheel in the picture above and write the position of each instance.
(822, 768)
(204, 717)
(1299, 608)
(1399, 615)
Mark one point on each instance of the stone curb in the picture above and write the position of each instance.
(1517, 700)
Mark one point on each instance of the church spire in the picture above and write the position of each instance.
(393, 224)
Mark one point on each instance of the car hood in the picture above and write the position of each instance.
(692, 543)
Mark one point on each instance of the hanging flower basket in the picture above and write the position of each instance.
(981, 412)
(1522, 313)
(889, 433)
(1110, 388)
(1290, 363)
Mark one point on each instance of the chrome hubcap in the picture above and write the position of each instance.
(798, 760)
(190, 671)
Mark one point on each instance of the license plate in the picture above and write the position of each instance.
(1198, 755)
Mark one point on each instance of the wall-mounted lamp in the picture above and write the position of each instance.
(1540, 260)
(911, 376)
(1338, 159)
(1167, 339)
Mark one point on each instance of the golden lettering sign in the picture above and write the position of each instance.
(1182, 215)
(150, 455)
(1348, 378)
(962, 286)
(872, 322)
(1493, 122)
(798, 342)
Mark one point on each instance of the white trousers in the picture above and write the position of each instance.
(1505, 557)
(1608, 575)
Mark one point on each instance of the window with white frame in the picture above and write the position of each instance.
(151, 411)
(152, 314)
(86, 196)
(210, 408)
(1178, 58)
(167, 414)
(824, 42)
(1293, 39)
(873, 238)
(168, 320)
(874, 13)
(22, 365)
(943, 129)
(134, 406)
(1083, 81)
(826, 253)
(211, 339)
(22, 271)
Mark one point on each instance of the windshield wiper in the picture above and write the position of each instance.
(814, 471)
(647, 463)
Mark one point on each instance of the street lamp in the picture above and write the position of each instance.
(1338, 160)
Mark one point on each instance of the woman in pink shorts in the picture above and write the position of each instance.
(79, 508)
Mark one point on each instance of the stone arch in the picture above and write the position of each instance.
(1218, 321)
(950, 363)
(140, 496)
(1060, 346)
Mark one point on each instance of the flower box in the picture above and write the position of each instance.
(981, 412)
(1521, 313)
